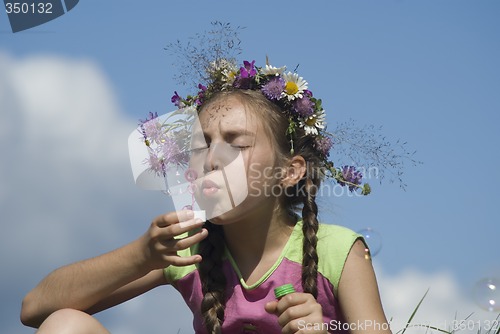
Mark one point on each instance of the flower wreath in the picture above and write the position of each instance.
(288, 90)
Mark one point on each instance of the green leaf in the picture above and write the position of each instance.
(366, 189)
(291, 127)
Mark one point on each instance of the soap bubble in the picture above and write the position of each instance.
(486, 294)
(373, 239)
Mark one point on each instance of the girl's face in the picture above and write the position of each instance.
(234, 160)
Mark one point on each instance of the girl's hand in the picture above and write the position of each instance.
(298, 312)
(159, 245)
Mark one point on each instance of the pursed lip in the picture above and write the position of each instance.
(206, 184)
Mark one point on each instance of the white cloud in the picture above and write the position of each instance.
(63, 138)
(66, 189)
(445, 302)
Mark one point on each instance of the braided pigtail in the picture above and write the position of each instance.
(213, 279)
(310, 230)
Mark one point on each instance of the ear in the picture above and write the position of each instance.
(294, 171)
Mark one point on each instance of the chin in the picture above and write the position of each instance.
(226, 217)
(223, 219)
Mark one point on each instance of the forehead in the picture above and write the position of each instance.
(229, 114)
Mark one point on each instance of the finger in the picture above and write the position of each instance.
(180, 261)
(173, 218)
(303, 324)
(174, 245)
(295, 325)
(270, 307)
(293, 313)
(174, 230)
(187, 225)
(292, 299)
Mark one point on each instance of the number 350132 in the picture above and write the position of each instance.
(28, 8)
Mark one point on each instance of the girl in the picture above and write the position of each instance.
(227, 268)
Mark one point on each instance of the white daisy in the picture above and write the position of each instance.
(223, 69)
(271, 70)
(312, 123)
(229, 72)
(220, 64)
(228, 76)
(294, 86)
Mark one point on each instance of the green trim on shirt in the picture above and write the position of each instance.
(334, 245)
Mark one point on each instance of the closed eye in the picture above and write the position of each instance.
(198, 149)
(198, 145)
(240, 147)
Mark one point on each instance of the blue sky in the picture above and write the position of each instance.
(426, 71)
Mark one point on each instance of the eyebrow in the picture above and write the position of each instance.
(234, 133)
(240, 132)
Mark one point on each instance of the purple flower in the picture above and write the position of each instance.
(144, 122)
(243, 83)
(308, 93)
(152, 131)
(170, 150)
(323, 145)
(304, 106)
(200, 98)
(173, 154)
(248, 71)
(273, 89)
(150, 117)
(351, 175)
(156, 164)
(177, 100)
(245, 80)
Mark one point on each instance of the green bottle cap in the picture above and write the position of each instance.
(283, 290)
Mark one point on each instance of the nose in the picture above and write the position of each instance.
(219, 155)
(213, 158)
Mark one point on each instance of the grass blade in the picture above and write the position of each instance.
(497, 324)
(414, 312)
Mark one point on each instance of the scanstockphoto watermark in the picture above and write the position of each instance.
(336, 325)
(261, 182)
(470, 325)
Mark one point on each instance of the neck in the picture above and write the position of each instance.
(259, 236)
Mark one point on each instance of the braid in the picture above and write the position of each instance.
(213, 279)
(310, 229)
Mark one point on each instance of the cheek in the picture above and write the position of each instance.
(263, 173)
(197, 162)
